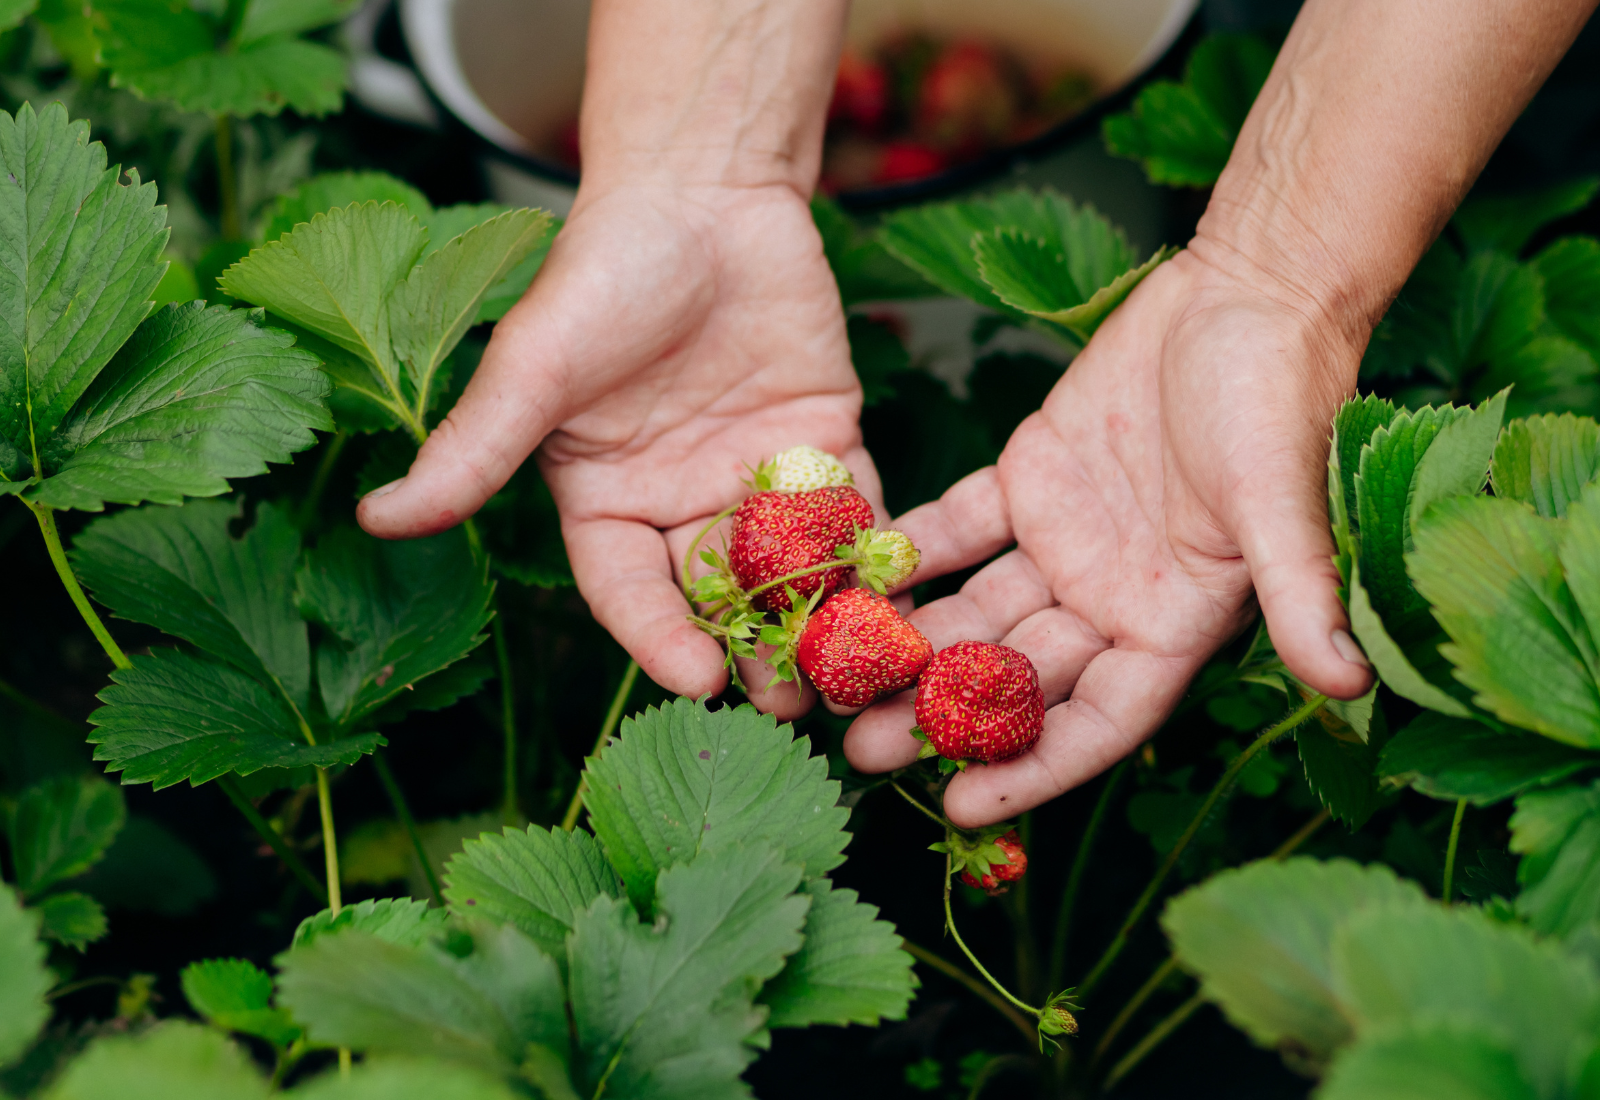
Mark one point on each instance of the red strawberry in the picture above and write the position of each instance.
(1011, 845)
(968, 99)
(979, 701)
(857, 647)
(775, 534)
(860, 92)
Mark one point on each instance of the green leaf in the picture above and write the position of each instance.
(170, 1060)
(336, 276)
(1505, 222)
(1184, 133)
(1393, 664)
(1435, 1060)
(680, 780)
(181, 571)
(851, 968)
(394, 920)
(439, 301)
(235, 995)
(1457, 462)
(1028, 274)
(1341, 767)
(329, 190)
(72, 32)
(863, 268)
(481, 1001)
(1571, 271)
(70, 918)
(936, 239)
(1557, 832)
(405, 1079)
(23, 978)
(1491, 570)
(176, 716)
(82, 256)
(1260, 939)
(1452, 758)
(663, 1010)
(177, 285)
(1353, 428)
(1426, 963)
(13, 12)
(1545, 461)
(264, 19)
(60, 828)
(538, 880)
(169, 52)
(394, 612)
(197, 396)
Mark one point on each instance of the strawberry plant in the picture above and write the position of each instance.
(287, 809)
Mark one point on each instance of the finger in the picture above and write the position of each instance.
(880, 739)
(1121, 699)
(784, 700)
(968, 524)
(623, 571)
(508, 407)
(1290, 554)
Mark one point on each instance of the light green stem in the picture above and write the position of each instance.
(950, 924)
(688, 557)
(1450, 849)
(935, 818)
(330, 842)
(954, 972)
(402, 810)
(58, 557)
(613, 718)
(1218, 792)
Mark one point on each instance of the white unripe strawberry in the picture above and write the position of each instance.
(800, 470)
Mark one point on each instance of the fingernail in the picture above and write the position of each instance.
(1348, 649)
(384, 490)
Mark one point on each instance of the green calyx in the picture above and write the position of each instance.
(1056, 1017)
(975, 852)
(884, 559)
(928, 752)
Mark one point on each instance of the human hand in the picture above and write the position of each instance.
(1177, 465)
(674, 335)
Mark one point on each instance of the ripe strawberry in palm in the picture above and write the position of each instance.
(776, 534)
(856, 647)
(980, 701)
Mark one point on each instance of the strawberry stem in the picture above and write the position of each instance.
(688, 558)
(950, 923)
(940, 821)
(836, 563)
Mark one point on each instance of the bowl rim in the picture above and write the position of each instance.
(1180, 28)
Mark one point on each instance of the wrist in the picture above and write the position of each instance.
(703, 93)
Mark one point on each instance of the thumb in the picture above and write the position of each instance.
(1289, 550)
(507, 408)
